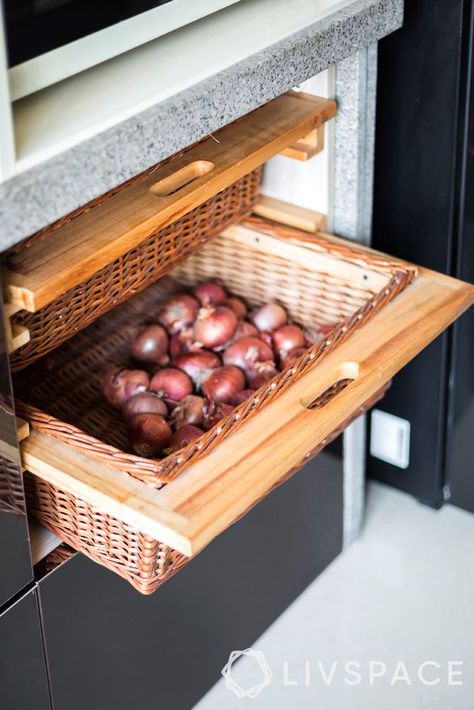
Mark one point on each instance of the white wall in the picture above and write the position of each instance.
(305, 183)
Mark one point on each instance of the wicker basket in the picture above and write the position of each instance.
(131, 273)
(60, 393)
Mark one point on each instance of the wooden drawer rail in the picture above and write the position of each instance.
(216, 490)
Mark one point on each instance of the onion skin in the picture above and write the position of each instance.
(237, 305)
(242, 396)
(269, 317)
(149, 434)
(178, 312)
(183, 342)
(171, 384)
(151, 345)
(288, 338)
(216, 412)
(291, 357)
(215, 326)
(144, 403)
(223, 383)
(197, 365)
(267, 338)
(263, 377)
(208, 293)
(119, 384)
(244, 329)
(248, 353)
(189, 411)
(183, 436)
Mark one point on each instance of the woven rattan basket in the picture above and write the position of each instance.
(60, 393)
(132, 272)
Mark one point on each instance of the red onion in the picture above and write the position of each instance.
(263, 377)
(151, 345)
(237, 305)
(269, 317)
(266, 336)
(178, 312)
(241, 396)
(215, 326)
(208, 293)
(247, 353)
(197, 365)
(290, 358)
(171, 384)
(183, 342)
(327, 328)
(288, 338)
(189, 411)
(244, 328)
(144, 403)
(223, 383)
(149, 434)
(314, 335)
(118, 385)
(215, 412)
(184, 436)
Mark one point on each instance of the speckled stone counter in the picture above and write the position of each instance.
(37, 197)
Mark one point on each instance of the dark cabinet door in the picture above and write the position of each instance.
(416, 174)
(23, 678)
(109, 648)
(461, 390)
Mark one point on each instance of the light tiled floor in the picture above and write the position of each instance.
(400, 597)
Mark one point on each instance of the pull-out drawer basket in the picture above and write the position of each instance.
(145, 518)
(63, 278)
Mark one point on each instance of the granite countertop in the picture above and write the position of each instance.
(49, 190)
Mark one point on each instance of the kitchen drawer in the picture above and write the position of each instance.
(145, 518)
(63, 278)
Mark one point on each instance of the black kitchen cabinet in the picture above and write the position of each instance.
(423, 212)
(110, 647)
(23, 674)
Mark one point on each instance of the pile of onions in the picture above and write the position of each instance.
(206, 355)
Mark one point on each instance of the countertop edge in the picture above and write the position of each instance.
(46, 192)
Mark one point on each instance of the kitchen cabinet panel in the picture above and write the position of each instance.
(110, 647)
(23, 675)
